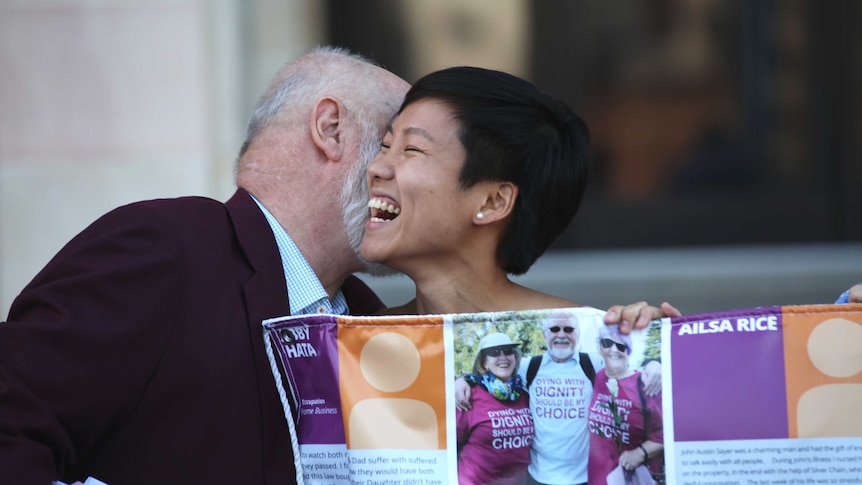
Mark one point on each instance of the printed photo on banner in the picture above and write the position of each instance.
(469, 398)
(556, 394)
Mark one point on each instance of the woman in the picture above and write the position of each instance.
(494, 436)
(625, 423)
(477, 175)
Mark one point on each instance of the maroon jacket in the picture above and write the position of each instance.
(136, 355)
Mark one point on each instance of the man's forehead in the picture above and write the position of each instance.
(564, 319)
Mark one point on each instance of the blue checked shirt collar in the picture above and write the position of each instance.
(305, 292)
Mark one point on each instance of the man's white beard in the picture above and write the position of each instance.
(354, 202)
(561, 354)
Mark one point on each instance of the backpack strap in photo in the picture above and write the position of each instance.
(533, 368)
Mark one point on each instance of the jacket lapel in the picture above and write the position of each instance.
(265, 292)
(266, 297)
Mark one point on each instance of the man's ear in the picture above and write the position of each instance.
(327, 120)
(499, 202)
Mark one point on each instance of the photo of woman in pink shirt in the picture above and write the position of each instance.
(494, 435)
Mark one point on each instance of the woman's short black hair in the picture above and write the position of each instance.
(513, 132)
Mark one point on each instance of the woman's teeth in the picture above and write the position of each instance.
(382, 211)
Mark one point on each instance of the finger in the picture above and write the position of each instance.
(647, 314)
(643, 320)
(625, 327)
(631, 313)
(612, 316)
(669, 310)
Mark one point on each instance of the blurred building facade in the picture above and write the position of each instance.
(726, 166)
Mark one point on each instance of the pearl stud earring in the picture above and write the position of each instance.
(480, 216)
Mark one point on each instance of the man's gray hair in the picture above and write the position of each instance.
(326, 70)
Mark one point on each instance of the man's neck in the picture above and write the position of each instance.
(322, 241)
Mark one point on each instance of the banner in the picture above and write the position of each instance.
(764, 396)
(748, 397)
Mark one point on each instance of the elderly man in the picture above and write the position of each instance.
(136, 356)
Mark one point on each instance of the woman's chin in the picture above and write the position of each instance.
(503, 377)
(616, 362)
(371, 253)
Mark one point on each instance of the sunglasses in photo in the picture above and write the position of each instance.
(495, 352)
(556, 329)
(608, 343)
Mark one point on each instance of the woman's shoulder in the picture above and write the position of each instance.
(534, 299)
(634, 376)
(634, 380)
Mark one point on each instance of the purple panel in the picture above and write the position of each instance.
(729, 384)
(312, 368)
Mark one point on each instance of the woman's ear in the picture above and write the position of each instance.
(327, 126)
(498, 204)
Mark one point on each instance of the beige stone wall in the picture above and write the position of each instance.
(107, 102)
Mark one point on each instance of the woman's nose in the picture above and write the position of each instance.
(380, 168)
